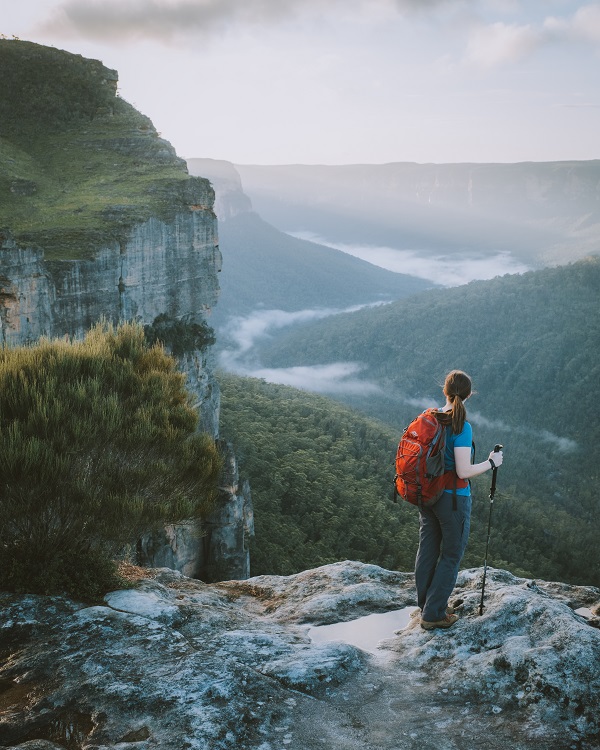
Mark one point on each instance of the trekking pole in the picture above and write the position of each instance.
(492, 493)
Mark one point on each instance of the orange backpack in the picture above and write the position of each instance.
(421, 476)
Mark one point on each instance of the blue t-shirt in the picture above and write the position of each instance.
(463, 440)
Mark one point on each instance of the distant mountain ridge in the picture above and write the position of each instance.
(544, 213)
(268, 269)
(230, 199)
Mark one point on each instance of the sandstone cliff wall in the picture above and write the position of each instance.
(85, 176)
(162, 267)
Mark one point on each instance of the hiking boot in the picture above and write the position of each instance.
(449, 610)
(447, 622)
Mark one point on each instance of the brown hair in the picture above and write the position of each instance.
(457, 388)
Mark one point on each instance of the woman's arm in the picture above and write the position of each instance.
(465, 469)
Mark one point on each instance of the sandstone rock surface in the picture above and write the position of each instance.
(215, 548)
(176, 663)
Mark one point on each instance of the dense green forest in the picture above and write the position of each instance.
(531, 344)
(321, 477)
(318, 477)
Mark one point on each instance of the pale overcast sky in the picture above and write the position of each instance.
(344, 81)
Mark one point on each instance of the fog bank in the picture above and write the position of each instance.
(245, 331)
(447, 270)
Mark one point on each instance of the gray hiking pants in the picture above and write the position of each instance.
(443, 537)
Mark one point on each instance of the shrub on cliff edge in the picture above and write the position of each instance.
(98, 443)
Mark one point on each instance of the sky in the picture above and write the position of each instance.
(344, 81)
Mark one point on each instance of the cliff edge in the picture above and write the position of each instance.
(99, 219)
(175, 663)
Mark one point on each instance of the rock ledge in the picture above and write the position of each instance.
(176, 663)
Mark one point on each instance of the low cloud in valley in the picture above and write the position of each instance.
(245, 332)
(334, 378)
(442, 269)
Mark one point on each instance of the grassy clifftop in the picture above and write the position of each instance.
(78, 165)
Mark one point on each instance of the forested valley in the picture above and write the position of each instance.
(321, 478)
(321, 471)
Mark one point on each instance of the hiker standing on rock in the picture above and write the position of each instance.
(444, 526)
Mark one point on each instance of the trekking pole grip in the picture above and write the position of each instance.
(497, 448)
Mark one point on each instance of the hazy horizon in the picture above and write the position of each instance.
(354, 82)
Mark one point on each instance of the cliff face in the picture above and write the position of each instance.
(216, 549)
(161, 267)
(118, 231)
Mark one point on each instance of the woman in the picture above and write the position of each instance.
(444, 527)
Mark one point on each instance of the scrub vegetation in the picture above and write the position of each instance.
(179, 335)
(98, 443)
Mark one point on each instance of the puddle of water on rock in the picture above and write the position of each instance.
(364, 632)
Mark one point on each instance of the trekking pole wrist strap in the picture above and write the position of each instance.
(492, 463)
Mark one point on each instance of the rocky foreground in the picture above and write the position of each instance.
(175, 663)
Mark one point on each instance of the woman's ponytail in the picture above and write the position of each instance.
(457, 388)
(459, 415)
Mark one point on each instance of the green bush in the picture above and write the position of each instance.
(98, 443)
(180, 336)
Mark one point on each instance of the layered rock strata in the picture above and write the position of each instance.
(114, 228)
(162, 268)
